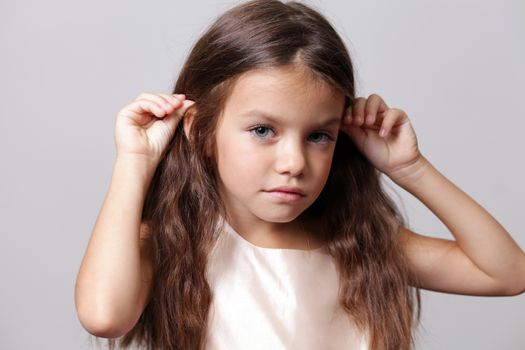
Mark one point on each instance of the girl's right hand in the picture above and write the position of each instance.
(144, 127)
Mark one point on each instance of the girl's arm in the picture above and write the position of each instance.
(483, 259)
(113, 281)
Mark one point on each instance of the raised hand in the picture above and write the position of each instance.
(144, 127)
(384, 135)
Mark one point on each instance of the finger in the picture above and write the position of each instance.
(187, 104)
(165, 103)
(358, 111)
(174, 118)
(170, 102)
(347, 116)
(141, 111)
(173, 102)
(173, 99)
(392, 116)
(151, 107)
(374, 106)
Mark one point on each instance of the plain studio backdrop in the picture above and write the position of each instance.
(66, 68)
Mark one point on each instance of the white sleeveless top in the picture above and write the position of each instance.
(270, 298)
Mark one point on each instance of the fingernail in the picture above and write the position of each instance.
(369, 118)
(382, 132)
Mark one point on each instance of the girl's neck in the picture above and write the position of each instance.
(291, 235)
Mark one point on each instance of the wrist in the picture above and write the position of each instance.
(411, 173)
(136, 168)
(137, 161)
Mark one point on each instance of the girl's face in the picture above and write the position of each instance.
(278, 128)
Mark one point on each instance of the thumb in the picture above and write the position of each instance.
(173, 119)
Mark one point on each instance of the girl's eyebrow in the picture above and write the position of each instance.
(260, 114)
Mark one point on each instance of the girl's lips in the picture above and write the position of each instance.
(285, 196)
(288, 189)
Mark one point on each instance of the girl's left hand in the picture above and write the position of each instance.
(385, 137)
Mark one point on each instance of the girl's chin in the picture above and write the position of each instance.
(280, 217)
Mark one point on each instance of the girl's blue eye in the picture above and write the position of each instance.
(261, 131)
(260, 128)
(324, 137)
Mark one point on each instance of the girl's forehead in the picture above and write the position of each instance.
(282, 86)
(293, 95)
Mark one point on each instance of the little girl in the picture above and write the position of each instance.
(246, 211)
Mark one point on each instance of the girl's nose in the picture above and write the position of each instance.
(290, 159)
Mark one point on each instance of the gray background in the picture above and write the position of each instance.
(66, 68)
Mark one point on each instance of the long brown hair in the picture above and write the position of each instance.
(182, 205)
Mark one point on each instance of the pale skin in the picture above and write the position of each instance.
(114, 281)
(483, 259)
(276, 130)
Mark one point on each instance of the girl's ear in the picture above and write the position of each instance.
(187, 120)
